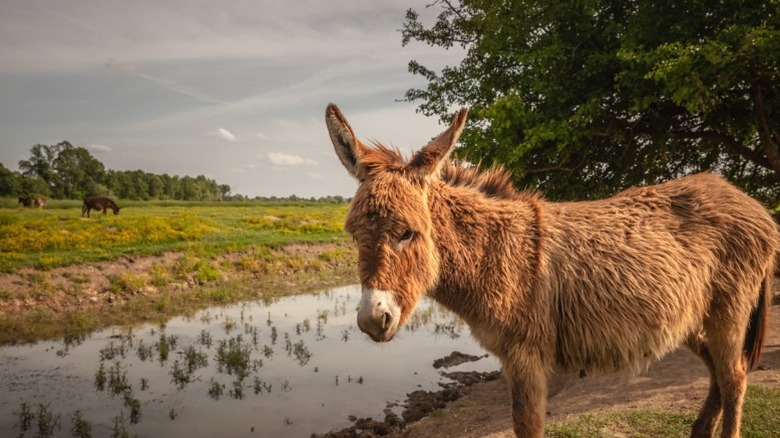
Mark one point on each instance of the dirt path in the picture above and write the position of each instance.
(678, 382)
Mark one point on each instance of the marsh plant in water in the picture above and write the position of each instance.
(282, 367)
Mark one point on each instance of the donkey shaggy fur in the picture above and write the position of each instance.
(599, 286)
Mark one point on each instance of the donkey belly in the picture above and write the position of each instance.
(625, 318)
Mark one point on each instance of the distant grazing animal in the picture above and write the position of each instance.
(98, 203)
(29, 201)
(26, 201)
(597, 286)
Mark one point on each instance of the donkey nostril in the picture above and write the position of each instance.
(386, 320)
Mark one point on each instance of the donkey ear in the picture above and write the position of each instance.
(432, 157)
(348, 148)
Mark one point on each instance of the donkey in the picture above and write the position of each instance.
(597, 286)
(26, 201)
(98, 203)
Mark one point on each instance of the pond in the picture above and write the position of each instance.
(285, 367)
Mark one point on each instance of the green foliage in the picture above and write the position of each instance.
(126, 282)
(207, 273)
(64, 171)
(583, 98)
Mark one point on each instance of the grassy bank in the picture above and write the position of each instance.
(67, 275)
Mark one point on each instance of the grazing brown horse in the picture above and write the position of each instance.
(98, 203)
(596, 286)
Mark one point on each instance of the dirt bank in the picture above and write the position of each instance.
(36, 304)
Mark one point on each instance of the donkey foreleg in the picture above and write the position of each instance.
(528, 398)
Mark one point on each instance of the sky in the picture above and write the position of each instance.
(233, 90)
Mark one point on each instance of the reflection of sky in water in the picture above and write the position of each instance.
(304, 398)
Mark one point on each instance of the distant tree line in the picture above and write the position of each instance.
(64, 171)
(330, 199)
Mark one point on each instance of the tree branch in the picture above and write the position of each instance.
(765, 132)
(730, 143)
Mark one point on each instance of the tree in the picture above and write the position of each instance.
(224, 191)
(9, 182)
(67, 171)
(78, 172)
(41, 164)
(583, 98)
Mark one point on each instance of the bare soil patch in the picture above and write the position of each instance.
(87, 286)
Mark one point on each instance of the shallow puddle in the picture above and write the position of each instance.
(288, 367)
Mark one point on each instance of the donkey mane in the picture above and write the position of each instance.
(493, 182)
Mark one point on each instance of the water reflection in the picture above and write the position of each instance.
(284, 367)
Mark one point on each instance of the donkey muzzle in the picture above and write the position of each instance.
(378, 315)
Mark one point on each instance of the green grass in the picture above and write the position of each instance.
(761, 419)
(57, 235)
(253, 233)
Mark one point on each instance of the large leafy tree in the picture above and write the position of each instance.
(581, 98)
(40, 165)
(68, 171)
(79, 173)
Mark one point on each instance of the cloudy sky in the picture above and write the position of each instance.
(232, 90)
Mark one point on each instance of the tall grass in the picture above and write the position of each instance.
(57, 235)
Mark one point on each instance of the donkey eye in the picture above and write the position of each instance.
(408, 234)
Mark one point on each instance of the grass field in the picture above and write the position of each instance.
(761, 419)
(57, 235)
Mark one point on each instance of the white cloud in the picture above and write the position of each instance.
(224, 134)
(243, 168)
(281, 159)
(98, 148)
(121, 66)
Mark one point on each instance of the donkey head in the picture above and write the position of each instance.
(391, 221)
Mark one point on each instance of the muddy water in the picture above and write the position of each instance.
(288, 367)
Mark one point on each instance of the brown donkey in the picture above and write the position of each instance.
(596, 286)
(98, 203)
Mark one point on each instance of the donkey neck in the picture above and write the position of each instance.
(489, 250)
